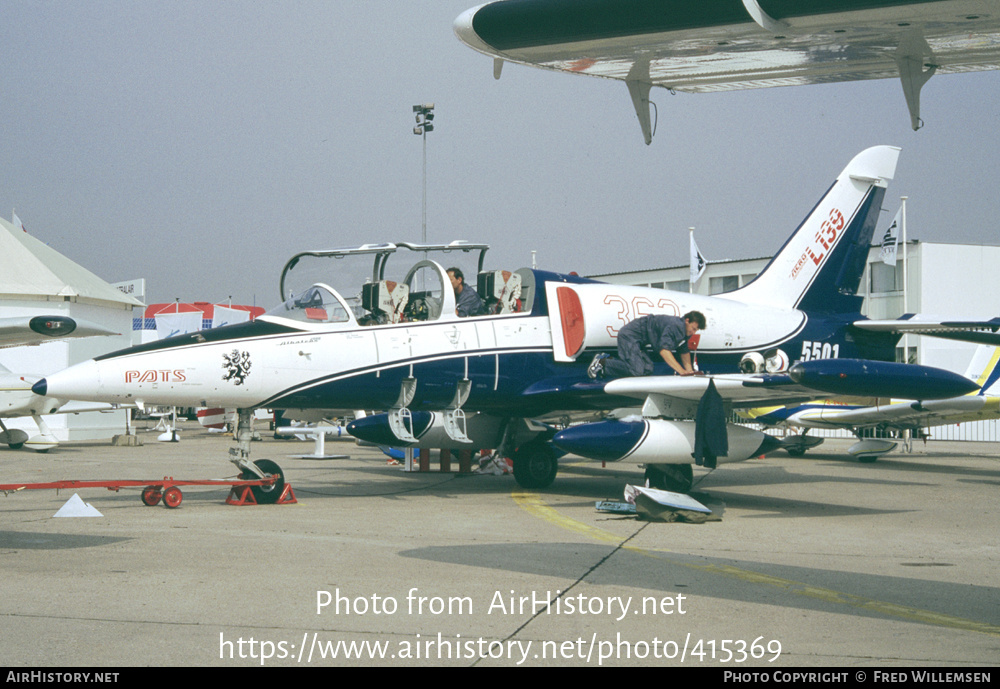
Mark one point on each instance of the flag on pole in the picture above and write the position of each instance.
(171, 324)
(223, 315)
(890, 240)
(698, 261)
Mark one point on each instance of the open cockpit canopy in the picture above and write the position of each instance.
(357, 285)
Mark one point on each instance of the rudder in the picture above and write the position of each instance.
(819, 268)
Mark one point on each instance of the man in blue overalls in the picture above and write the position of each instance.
(667, 335)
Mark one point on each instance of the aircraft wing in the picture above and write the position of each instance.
(678, 396)
(902, 415)
(739, 390)
(982, 332)
(33, 330)
(854, 377)
(719, 45)
(683, 418)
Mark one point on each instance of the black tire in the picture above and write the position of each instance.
(677, 478)
(15, 446)
(867, 459)
(797, 452)
(266, 495)
(535, 465)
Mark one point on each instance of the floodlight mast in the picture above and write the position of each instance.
(425, 119)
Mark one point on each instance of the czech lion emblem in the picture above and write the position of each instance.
(237, 366)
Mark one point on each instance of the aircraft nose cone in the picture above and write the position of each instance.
(40, 388)
(797, 373)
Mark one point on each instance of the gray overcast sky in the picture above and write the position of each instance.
(200, 144)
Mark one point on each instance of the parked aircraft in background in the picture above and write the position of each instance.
(16, 398)
(509, 378)
(909, 418)
(34, 330)
(719, 45)
(982, 332)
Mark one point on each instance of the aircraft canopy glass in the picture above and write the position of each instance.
(317, 304)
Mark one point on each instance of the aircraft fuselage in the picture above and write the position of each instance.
(510, 359)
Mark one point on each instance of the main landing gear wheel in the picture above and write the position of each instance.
(796, 452)
(867, 459)
(266, 495)
(172, 497)
(535, 465)
(677, 478)
(150, 496)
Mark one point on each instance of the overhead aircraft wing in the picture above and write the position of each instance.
(720, 45)
(33, 330)
(982, 332)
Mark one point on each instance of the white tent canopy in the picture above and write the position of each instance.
(30, 269)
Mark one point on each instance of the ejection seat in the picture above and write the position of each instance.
(500, 291)
(385, 300)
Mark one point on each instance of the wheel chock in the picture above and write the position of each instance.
(241, 495)
(287, 496)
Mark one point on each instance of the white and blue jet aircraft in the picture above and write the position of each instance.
(487, 381)
(16, 397)
(722, 45)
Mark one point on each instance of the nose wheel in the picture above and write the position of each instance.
(269, 494)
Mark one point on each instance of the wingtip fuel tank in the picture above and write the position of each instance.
(880, 379)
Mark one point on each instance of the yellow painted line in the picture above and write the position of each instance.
(829, 595)
(533, 504)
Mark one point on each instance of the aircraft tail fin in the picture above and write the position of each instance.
(820, 267)
(985, 369)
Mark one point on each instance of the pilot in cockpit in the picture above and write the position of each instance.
(467, 301)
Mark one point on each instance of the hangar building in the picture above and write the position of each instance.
(37, 280)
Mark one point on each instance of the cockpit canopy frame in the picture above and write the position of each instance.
(380, 254)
